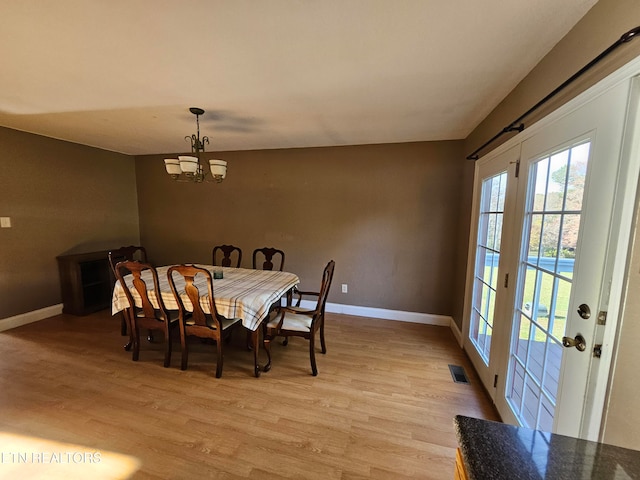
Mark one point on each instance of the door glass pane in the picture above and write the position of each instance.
(485, 279)
(552, 226)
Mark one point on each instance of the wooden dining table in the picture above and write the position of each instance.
(241, 293)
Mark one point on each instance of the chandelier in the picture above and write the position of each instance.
(188, 168)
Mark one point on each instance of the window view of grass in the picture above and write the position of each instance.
(487, 256)
(552, 225)
(545, 309)
(553, 304)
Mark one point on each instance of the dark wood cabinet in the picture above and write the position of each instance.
(85, 281)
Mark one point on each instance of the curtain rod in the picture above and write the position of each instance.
(517, 126)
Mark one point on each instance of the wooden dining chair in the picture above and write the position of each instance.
(222, 256)
(295, 321)
(198, 323)
(131, 252)
(266, 256)
(146, 315)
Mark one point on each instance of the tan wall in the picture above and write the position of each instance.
(596, 31)
(387, 214)
(62, 198)
(600, 28)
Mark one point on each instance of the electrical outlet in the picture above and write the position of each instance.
(5, 222)
(345, 288)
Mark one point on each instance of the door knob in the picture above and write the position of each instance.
(584, 311)
(579, 342)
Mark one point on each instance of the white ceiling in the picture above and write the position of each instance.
(121, 74)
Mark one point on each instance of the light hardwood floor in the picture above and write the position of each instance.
(382, 405)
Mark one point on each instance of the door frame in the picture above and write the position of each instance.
(625, 208)
(618, 255)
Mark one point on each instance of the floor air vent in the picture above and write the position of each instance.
(457, 372)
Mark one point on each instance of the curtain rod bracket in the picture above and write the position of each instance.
(625, 38)
(513, 128)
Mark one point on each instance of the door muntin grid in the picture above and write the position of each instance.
(552, 225)
(485, 278)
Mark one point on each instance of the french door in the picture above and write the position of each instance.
(532, 327)
(496, 190)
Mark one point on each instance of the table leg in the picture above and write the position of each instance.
(255, 342)
(267, 348)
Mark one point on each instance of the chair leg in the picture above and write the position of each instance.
(169, 340)
(312, 355)
(220, 357)
(183, 344)
(127, 320)
(136, 342)
(322, 344)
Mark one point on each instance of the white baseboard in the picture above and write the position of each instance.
(456, 333)
(413, 317)
(397, 315)
(30, 317)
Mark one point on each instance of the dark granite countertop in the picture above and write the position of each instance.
(495, 451)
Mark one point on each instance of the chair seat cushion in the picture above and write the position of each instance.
(292, 321)
(173, 315)
(226, 322)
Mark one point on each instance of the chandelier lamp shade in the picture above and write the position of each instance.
(189, 168)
